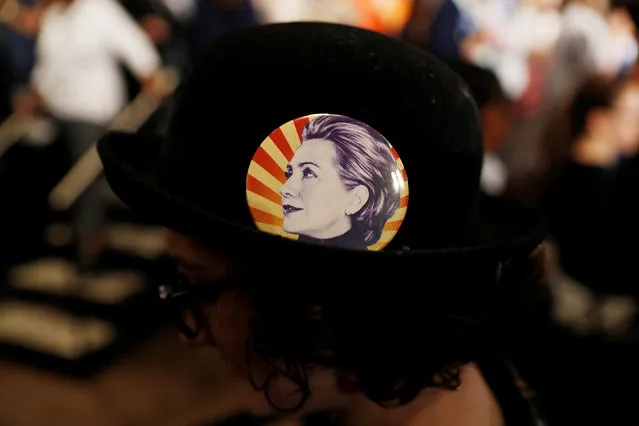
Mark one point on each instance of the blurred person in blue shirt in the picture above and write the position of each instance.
(450, 26)
(216, 17)
(17, 40)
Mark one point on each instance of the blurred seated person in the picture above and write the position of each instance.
(77, 79)
(593, 179)
(588, 46)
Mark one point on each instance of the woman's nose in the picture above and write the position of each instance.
(288, 189)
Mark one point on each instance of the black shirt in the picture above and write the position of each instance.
(592, 215)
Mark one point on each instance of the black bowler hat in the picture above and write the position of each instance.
(279, 87)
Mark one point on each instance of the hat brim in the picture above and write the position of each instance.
(506, 228)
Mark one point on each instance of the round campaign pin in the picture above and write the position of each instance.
(328, 179)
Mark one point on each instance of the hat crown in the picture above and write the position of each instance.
(252, 81)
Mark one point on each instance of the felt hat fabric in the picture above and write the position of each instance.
(272, 116)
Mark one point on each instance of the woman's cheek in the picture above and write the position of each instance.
(229, 321)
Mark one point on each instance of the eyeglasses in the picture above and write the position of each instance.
(182, 299)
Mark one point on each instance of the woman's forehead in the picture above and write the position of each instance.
(190, 252)
(317, 151)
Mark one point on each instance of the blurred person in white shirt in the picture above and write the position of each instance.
(80, 46)
(77, 79)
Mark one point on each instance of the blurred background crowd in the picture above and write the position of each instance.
(557, 86)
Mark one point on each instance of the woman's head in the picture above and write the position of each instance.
(590, 110)
(607, 110)
(602, 110)
(342, 177)
(390, 341)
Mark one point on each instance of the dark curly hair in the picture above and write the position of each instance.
(390, 338)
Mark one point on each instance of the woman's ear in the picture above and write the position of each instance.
(358, 199)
